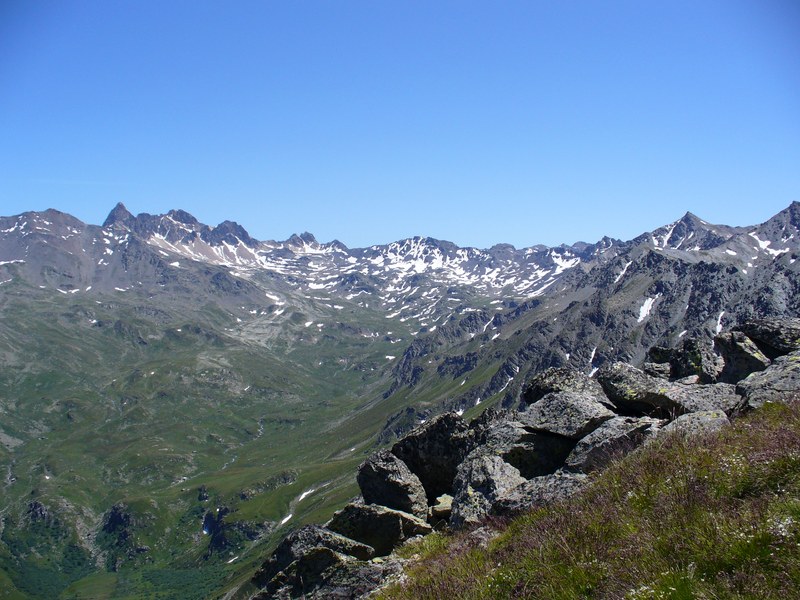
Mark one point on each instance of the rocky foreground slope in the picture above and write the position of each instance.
(448, 473)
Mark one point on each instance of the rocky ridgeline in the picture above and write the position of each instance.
(448, 473)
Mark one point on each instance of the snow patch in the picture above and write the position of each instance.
(718, 328)
(624, 270)
(646, 307)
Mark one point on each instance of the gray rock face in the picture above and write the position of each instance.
(302, 542)
(532, 452)
(612, 439)
(694, 398)
(322, 574)
(741, 356)
(385, 479)
(779, 382)
(434, 451)
(635, 391)
(698, 422)
(377, 526)
(561, 379)
(538, 492)
(774, 337)
(482, 479)
(695, 357)
(571, 414)
(660, 370)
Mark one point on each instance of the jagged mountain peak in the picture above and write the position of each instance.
(181, 216)
(118, 214)
(229, 232)
(302, 239)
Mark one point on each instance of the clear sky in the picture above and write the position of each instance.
(370, 121)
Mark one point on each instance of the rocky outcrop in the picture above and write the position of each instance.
(323, 574)
(482, 479)
(774, 337)
(385, 479)
(777, 383)
(570, 414)
(508, 461)
(611, 440)
(300, 544)
(561, 379)
(377, 526)
(434, 451)
(539, 491)
(638, 393)
(741, 356)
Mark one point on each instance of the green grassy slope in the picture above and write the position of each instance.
(715, 516)
(120, 400)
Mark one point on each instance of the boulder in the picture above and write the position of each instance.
(539, 491)
(741, 356)
(774, 337)
(613, 438)
(301, 542)
(377, 526)
(634, 390)
(698, 422)
(660, 370)
(693, 398)
(695, 357)
(442, 509)
(562, 379)
(532, 452)
(570, 414)
(659, 355)
(780, 382)
(482, 479)
(323, 574)
(638, 393)
(385, 479)
(433, 452)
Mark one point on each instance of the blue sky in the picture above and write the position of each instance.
(476, 122)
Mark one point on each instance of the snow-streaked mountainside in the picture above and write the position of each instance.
(176, 397)
(419, 279)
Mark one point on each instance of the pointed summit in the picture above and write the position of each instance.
(119, 214)
(229, 232)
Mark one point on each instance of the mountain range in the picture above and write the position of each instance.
(175, 397)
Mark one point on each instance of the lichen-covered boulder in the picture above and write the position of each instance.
(482, 479)
(571, 414)
(774, 337)
(741, 356)
(637, 392)
(433, 452)
(695, 357)
(780, 382)
(385, 479)
(377, 526)
(612, 439)
(561, 379)
(301, 542)
(539, 491)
